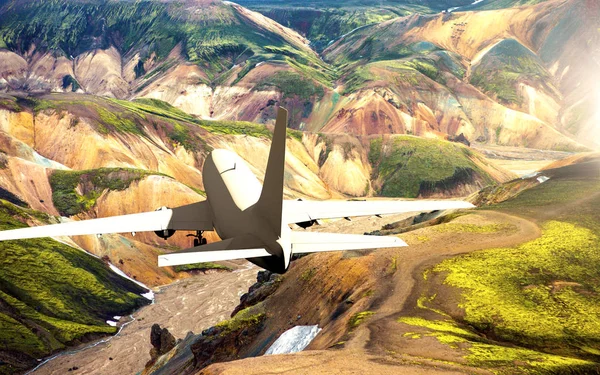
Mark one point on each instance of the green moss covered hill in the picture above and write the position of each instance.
(113, 116)
(533, 308)
(212, 34)
(407, 166)
(505, 66)
(53, 295)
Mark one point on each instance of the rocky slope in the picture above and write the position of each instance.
(521, 83)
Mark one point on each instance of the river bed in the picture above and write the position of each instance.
(191, 304)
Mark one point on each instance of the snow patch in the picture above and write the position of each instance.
(45, 162)
(530, 175)
(149, 295)
(294, 340)
(542, 179)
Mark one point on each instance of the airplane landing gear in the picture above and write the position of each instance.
(198, 239)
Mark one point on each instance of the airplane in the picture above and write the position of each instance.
(253, 220)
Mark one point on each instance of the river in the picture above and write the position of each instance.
(191, 304)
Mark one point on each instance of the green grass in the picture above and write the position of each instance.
(504, 67)
(514, 292)
(180, 132)
(292, 84)
(358, 318)
(201, 267)
(413, 165)
(248, 318)
(144, 106)
(408, 63)
(52, 294)
(18, 337)
(551, 193)
(308, 274)
(107, 118)
(68, 202)
(428, 68)
(121, 116)
(357, 79)
(472, 228)
(9, 103)
(500, 359)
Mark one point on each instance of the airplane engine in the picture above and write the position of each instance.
(307, 224)
(164, 234)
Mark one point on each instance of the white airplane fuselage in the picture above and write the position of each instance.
(233, 191)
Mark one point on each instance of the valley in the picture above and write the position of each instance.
(192, 304)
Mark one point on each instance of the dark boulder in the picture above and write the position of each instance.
(162, 342)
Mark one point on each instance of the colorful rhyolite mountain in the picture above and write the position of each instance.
(520, 76)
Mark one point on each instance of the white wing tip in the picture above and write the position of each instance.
(394, 242)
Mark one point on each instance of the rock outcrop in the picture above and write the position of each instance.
(162, 342)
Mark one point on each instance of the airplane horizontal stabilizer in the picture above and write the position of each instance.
(195, 216)
(309, 242)
(242, 247)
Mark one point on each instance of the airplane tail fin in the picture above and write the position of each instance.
(270, 202)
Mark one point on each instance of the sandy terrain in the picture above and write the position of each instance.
(191, 304)
(522, 167)
(521, 161)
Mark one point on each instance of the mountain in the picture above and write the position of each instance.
(522, 82)
(111, 107)
(525, 75)
(322, 22)
(508, 288)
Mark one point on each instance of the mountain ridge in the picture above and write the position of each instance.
(229, 75)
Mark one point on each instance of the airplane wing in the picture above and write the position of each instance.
(195, 216)
(303, 211)
(248, 246)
